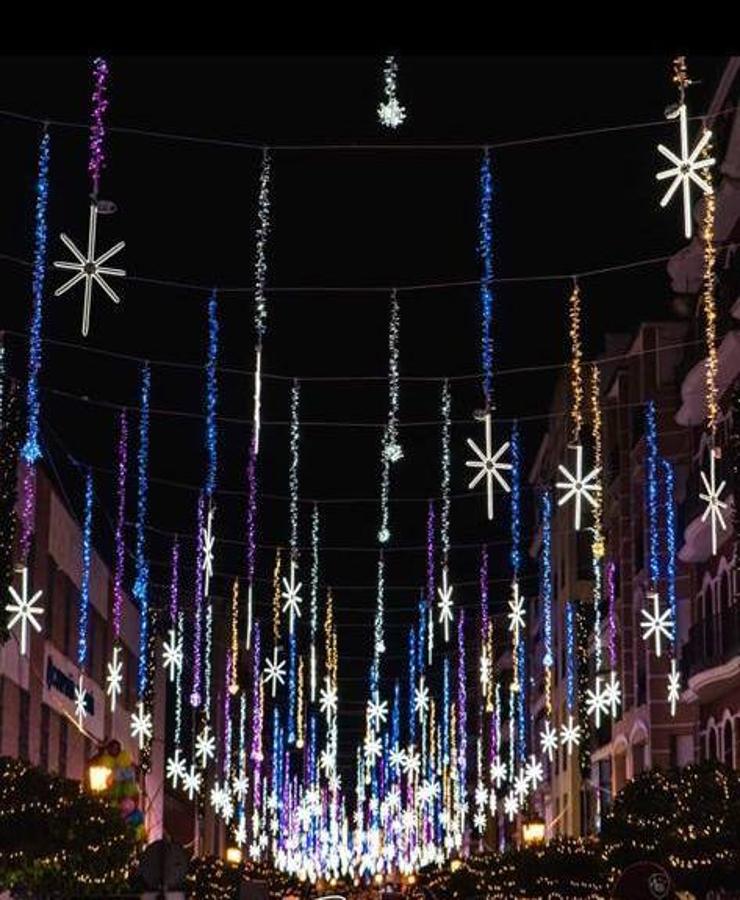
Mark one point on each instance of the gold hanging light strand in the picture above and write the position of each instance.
(276, 597)
(709, 305)
(597, 435)
(548, 691)
(489, 653)
(680, 75)
(576, 361)
(331, 638)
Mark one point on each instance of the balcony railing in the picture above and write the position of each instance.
(712, 642)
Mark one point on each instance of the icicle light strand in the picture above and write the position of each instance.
(97, 126)
(141, 584)
(195, 695)
(486, 293)
(709, 307)
(651, 492)
(445, 482)
(260, 265)
(211, 398)
(576, 375)
(546, 593)
(119, 569)
(669, 479)
(295, 395)
(84, 614)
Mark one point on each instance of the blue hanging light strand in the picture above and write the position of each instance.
(651, 491)
(31, 451)
(486, 255)
(141, 582)
(570, 655)
(521, 700)
(211, 398)
(84, 614)
(669, 480)
(546, 577)
(515, 555)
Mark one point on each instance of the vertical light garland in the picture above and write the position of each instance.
(141, 583)
(234, 685)
(669, 574)
(314, 598)
(227, 723)
(31, 449)
(430, 581)
(119, 569)
(576, 362)
(295, 397)
(198, 616)
(260, 282)
(570, 657)
(83, 622)
(392, 448)
(97, 127)
(211, 399)
(709, 304)
(485, 663)
(597, 537)
(611, 593)
(251, 534)
(546, 593)
(651, 493)
(378, 632)
(517, 619)
(178, 681)
(445, 591)
(486, 292)
(462, 712)
(256, 751)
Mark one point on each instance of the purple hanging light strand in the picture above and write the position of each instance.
(120, 545)
(195, 696)
(97, 126)
(611, 593)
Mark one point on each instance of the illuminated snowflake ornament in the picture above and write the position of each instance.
(90, 268)
(421, 699)
(191, 782)
(714, 507)
(275, 671)
(597, 701)
(176, 768)
(516, 614)
(114, 678)
(390, 111)
(205, 746)
(445, 605)
(534, 772)
(521, 787)
(241, 786)
(172, 654)
(377, 712)
(292, 597)
(685, 168)
(372, 748)
(570, 735)
(24, 610)
(412, 761)
(613, 693)
(511, 805)
(578, 486)
(240, 834)
(397, 758)
(674, 687)
(209, 541)
(80, 702)
(498, 772)
(479, 822)
(328, 699)
(141, 725)
(656, 624)
(218, 797)
(489, 464)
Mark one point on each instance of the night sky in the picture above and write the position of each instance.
(359, 219)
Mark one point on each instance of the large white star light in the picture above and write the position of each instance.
(578, 486)
(656, 624)
(597, 701)
(172, 654)
(90, 268)
(176, 768)
(489, 464)
(534, 772)
(205, 746)
(80, 702)
(275, 671)
(570, 735)
(292, 597)
(24, 610)
(114, 678)
(674, 687)
(141, 725)
(549, 740)
(445, 604)
(714, 506)
(685, 167)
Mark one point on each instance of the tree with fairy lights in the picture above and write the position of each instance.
(56, 839)
(687, 819)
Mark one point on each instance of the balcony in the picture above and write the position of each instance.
(711, 656)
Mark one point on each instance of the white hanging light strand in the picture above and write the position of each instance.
(392, 446)
(260, 263)
(390, 111)
(314, 597)
(294, 460)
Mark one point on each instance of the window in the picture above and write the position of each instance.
(63, 744)
(727, 743)
(44, 753)
(638, 759)
(24, 711)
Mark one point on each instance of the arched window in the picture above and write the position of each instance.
(727, 742)
(714, 752)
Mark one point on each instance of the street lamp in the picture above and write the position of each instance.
(99, 774)
(233, 856)
(533, 832)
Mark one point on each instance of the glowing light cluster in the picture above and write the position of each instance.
(390, 111)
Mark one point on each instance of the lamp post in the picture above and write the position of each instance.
(99, 774)
(533, 832)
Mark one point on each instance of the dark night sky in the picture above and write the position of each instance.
(340, 217)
